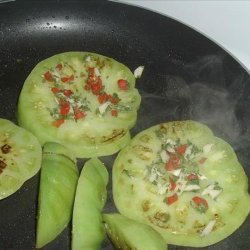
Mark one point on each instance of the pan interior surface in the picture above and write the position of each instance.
(186, 76)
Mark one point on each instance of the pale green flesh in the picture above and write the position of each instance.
(23, 161)
(130, 234)
(58, 180)
(104, 133)
(87, 229)
(137, 198)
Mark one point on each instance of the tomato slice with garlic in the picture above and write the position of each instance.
(184, 182)
(74, 99)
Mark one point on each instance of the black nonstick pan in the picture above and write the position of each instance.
(186, 76)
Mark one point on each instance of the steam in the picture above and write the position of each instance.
(216, 109)
(212, 100)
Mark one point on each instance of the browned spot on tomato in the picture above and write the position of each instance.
(2, 164)
(115, 134)
(158, 223)
(146, 205)
(6, 148)
(161, 216)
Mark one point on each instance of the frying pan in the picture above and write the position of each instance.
(186, 76)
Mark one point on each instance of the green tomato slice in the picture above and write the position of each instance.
(85, 101)
(20, 157)
(183, 181)
(58, 181)
(88, 231)
(130, 234)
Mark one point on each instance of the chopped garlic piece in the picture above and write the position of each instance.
(152, 177)
(191, 188)
(97, 72)
(103, 107)
(164, 156)
(188, 151)
(208, 229)
(211, 191)
(207, 148)
(180, 186)
(170, 149)
(88, 59)
(171, 142)
(202, 177)
(153, 174)
(175, 172)
(162, 188)
(138, 71)
(217, 156)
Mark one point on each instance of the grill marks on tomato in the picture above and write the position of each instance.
(5, 149)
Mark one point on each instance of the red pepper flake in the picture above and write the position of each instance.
(64, 109)
(67, 78)
(55, 90)
(96, 88)
(67, 92)
(114, 112)
(102, 98)
(200, 204)
(202, 160)
(192, 177)
(58, 123)
(172, 199)
(114, 99)
(172, 184)
(91, 71)
(79, 114)
(122, 84)
(59, 66)
(47, 76)
(173, 163)
(182, 149)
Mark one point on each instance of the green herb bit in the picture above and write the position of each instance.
(217, 187)
(178, 141)
(194, 182)
(123, 108)
(159, 134)
(200, 208)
